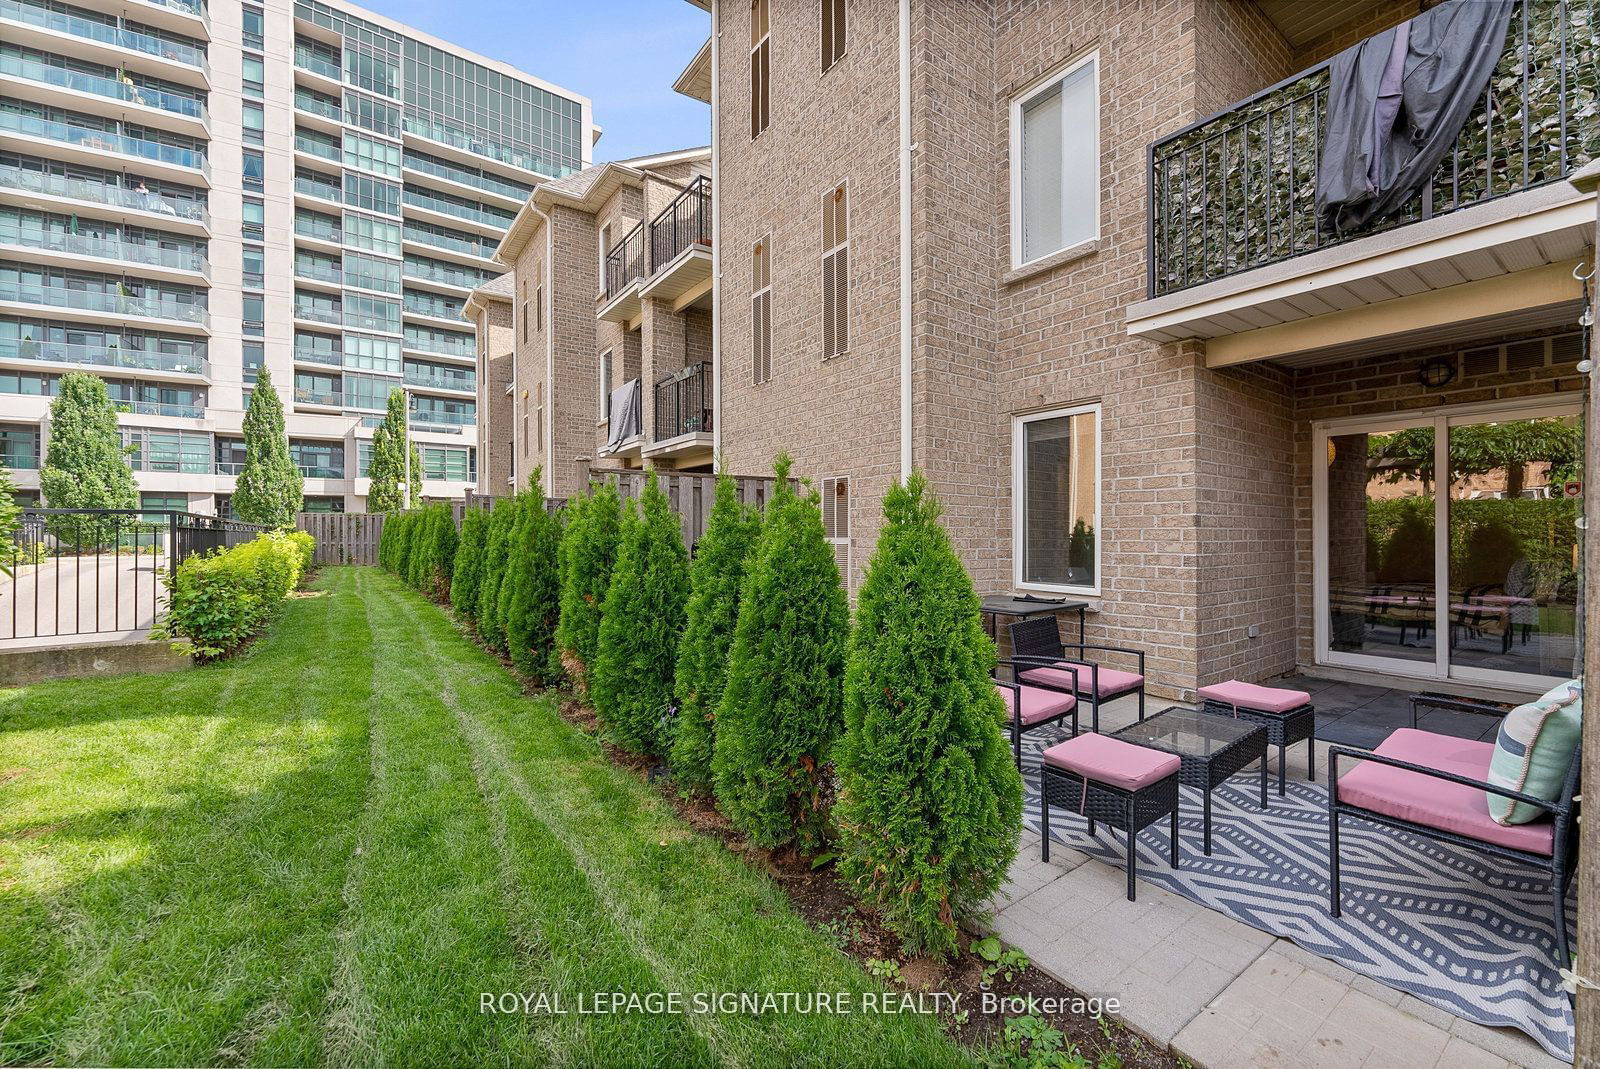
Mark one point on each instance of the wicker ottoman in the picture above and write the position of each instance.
(1114, 782)
(1286, 714)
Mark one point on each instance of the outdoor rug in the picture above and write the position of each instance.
(1462, 930)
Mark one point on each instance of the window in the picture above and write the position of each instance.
(371, 155)
(760, 67)
(254, 119)
(254, 266)
(761, 309)
(255, 355)
(371, 313)
(524, 312)
(254, 23)
(1055, 169)
(369, 272)
(1056, 500)
(255, 170)
(605, 385)
(253, 217)
(836, 521)
(835, 273)
(373, 194)
(372, 114)
(452, 462)
(833, 33)
(254, 316)
(377, 235)
(538, 301)
(253, 76)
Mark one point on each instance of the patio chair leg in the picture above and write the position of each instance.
(1141, 704)
(1333, 860)
(1311, 758)
(1206, 807)
(1558, 895)
(1016, 746)
(1044, 816)
(1173, 847)
(1282, 751)
(1263, 763)
(1133, 851)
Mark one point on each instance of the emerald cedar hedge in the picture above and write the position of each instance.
(215, 601)
(588, 555)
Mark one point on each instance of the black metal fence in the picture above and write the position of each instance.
(625, 261)
(684, 222)
(683, 402)
(93, 571)
(1237, 190)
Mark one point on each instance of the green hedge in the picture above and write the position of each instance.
(216, 601)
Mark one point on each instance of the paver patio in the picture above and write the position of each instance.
(1219, 992)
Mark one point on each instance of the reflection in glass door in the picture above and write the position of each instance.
(1514, 545)
(1449, 547)
(1380, 544)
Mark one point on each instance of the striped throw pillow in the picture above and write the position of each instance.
(1534, 750)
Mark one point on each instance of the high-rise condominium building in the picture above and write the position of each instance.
(192, 193)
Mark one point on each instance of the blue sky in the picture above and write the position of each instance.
(622, 54)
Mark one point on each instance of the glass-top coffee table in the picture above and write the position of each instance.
(1211, 748)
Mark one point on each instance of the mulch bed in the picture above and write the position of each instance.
(819, 895)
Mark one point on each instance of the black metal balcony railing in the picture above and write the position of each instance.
(625, 262)
(683, 403)
(684, 222)
(1237, 190)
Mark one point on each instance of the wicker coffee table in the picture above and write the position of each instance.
(1211, 747)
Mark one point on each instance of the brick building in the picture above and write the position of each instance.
(1065, 259)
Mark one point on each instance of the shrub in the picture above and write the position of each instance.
(589, 553)
(270, 486)
(531, 593)
(307, 548)
(216, 601)
(86, 464)
(490, 628)
(469, 561)
(433, 550)
(710, 616)
(641, 624)
(405, 543)
(930, 801)
(781, 708)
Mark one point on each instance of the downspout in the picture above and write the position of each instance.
(716, 246)
(549, 347)
(905, 238)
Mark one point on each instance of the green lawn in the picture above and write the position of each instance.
(325, 852)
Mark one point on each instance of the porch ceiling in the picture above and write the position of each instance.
(1507, 261)
(1301, 22)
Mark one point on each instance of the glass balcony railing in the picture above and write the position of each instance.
(318, 356)
(312, 188)
(319, 271)
(481, 249)
(310, 228)
(494, 150)
(104, 140)
(486, 182)
(188, 7)
(107, 248)
(449, 276)
(314, 314)
(103, 356)
(160, 408)
(100, 301)
(308, 60)
(331, 398)
(60, 22)
(19, 461)
(469, 212)
(432, 305)
(87, 189)
(320, 471)
(110, 88)
(424, 418)
(304, 101)
(423, 342)
(316, 148)
(434, 381)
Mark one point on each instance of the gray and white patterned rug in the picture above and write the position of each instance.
(1464, 931)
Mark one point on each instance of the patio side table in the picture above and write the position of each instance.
(997, 605)
(1211, 749)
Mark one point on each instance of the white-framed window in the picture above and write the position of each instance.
(835, 272)
(1055, 495)
(761, 310)
(605, 385)
(1055, 162)
(835, 36)
(760, 67)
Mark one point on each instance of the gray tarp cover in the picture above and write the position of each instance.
(624, 423)
(1396, 104)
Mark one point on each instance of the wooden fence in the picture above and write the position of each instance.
(352, 537)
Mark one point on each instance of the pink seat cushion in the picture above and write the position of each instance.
(1112, 681)
(1254, 697)
(1437, 803)
(1112, 761)
(1038, 705)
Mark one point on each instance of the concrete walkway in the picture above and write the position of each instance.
(1219, 992)
(110, 594)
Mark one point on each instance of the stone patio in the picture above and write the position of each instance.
(1221, 993)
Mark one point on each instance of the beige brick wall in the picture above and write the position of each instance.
(495, 347)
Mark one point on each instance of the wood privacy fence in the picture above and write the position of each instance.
(352, 537)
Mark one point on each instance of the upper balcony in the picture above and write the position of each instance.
(624, 276)
(680, 248)
(116, 307)
(34, 24)
(103, 148)
(114, 98)
(157, 364)
(170, 260)
(1240, 258)
(681, 424)
(137, 205)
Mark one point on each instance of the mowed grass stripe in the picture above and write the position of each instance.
(550, 899)
(703, 920)
(191, 866)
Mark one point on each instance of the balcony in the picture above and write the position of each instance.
(110, 306)
(160, 408)
(108, 356)
(320, 471)
(680, 248)
(319, 398)
(97, 143)
(316, 314)
(1239, 254)
(623, 441)
(314, 62)
(318, 272)
(65, 249)
(93, 192)
(431, 381)
(487, 183)
(442, 274)
(478, 248)
(436, 419)
(625, 270)
(111, 36)
(311, 145)
(111, 89)
(469, 212)
(682, 422)
(315, 105)
(326, 357)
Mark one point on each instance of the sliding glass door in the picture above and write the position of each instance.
(1447, 545)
